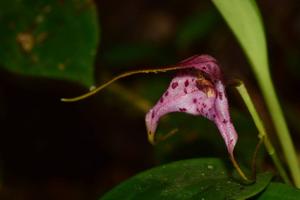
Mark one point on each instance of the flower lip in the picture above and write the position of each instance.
(198, 90)
(151, 137)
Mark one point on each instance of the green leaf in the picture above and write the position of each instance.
(280, 191)
(188, 179)
(51, 38)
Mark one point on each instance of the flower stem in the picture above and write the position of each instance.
(237, 167)
(253, 165)
(262, 131)
(130, 73)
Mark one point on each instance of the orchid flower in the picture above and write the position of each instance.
(198, 90)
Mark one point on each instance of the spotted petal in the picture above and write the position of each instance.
(196, 94)
(204, 63)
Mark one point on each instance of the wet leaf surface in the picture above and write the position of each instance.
(188, 179)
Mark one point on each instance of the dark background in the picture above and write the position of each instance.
(55, 150)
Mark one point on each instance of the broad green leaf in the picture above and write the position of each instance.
(280, 191)
(50, 38)
(244, 19)
(188, 179)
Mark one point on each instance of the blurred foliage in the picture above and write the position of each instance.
(195, 28)
(188, 179)
(51, 39)
(129, 53)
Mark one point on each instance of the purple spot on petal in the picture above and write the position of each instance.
(185, 91)
(152, 115)
(186, 83)
(167, 93)
(220, 96)
(224, 121)
(174, 85)
(204, 105)
(214, 116)
(161, 100)
(182, 109)
(194, 100)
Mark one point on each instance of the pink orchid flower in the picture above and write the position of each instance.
(198, 90)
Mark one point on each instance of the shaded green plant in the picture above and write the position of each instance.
(244, 19)
(249, 31)
(50, 39)
(205, 178)
(47, 42)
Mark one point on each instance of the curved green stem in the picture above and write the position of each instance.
(262, 131)
(238, 169)
(253, 164)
